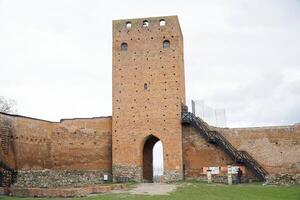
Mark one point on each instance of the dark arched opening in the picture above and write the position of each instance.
(124, 46)
(148, 158)
(166, 44)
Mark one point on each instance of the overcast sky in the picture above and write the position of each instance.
(244, 56)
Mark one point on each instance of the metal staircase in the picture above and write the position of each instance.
(8, 176)
(217, 138)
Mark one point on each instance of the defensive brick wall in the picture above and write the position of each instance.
(79, 150)
(25, 142)
(199, 155)
(277, 149)
(82, 144)
(51, 154)
(32, 144)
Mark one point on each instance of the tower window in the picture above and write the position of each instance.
(128, 25)
(124, 46)
(162, 22)
(166, 44)
(145, 23)
(145, 86)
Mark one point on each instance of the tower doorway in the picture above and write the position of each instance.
(152, 159)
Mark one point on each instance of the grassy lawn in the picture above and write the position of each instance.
(196, 190)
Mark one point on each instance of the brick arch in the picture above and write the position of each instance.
(147, 150)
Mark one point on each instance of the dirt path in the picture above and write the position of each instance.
(153, 188)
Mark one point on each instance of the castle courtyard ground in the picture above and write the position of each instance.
(195, 190)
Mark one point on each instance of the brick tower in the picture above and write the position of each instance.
(148, 89)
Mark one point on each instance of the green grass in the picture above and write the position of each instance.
(203, 191)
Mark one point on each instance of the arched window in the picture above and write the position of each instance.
(124, 46)
(145, 23)
(162, 22)
(128, 25)
(166, 44)
(145, 86)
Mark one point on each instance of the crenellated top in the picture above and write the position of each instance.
(163, 24)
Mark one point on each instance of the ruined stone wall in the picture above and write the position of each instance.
(277, 149)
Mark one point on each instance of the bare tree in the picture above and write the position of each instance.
(8, 105)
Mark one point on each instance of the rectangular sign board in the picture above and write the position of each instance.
(233, 169)
(214, 170)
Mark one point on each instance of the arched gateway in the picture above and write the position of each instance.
(148, 158)
(148, 90)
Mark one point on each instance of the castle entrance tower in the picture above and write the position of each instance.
(148, 90)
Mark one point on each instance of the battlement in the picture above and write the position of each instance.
(149, 24)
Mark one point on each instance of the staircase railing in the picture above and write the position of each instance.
(217, 138)
(250, 162)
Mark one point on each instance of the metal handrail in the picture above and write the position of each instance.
(219, 139)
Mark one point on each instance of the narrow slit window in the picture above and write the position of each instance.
(162, 22)
(128, 25)
(124, 46)
(166, 44)
(145, 23)
(145, 86)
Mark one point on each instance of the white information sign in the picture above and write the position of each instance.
(233, 169)
(214, 170)
(105, 177)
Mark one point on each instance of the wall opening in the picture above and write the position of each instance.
(166, 44)
(162, 22)
(124, 46)
(145, 23)
(152, 159)
(145, 86)
(128, 25)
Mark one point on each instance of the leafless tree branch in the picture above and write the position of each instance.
(8, 105)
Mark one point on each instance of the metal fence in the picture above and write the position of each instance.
(212, 116)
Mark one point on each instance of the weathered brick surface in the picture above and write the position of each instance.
(199, 154)
(68, 145)
(139, 112)
(28, 143)
(276, 148)
(82, 144)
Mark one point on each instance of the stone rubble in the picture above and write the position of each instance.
(283, 179)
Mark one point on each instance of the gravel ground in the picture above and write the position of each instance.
(153, 188)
